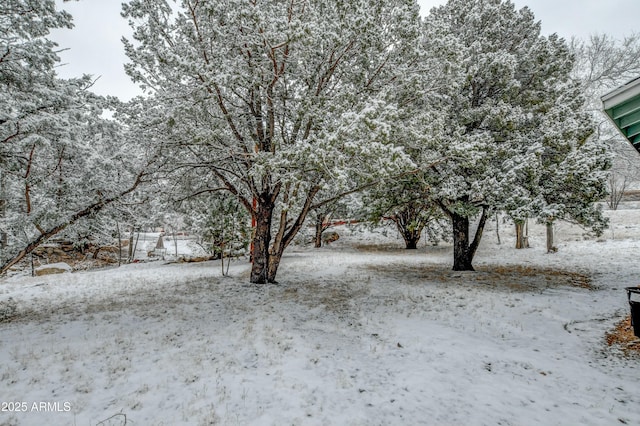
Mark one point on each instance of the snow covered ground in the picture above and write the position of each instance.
(360, 332)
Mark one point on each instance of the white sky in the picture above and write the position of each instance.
(94, 45)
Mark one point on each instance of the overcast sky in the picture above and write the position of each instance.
(94, 45)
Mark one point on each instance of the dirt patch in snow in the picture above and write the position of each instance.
(622, 338)
(381, 248)
(530, 277)
(499, 277)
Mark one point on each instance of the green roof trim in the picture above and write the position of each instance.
(623, 108)
(633, 131)
(627, 108)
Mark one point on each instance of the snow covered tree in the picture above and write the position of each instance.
(574, 155)
(505, 80)
(60, 161)
(23, 45)
(276, 101)
(569, 174)
(70, 169)
(572, 188)
(406, 201)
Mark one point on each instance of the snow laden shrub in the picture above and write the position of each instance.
(278, 103)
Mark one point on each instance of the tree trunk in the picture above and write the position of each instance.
(318, 238)
(274, 263)
(522, 240)
(119, 244)
(461, 256)
(320, 228)
(550, 247)
(221, 247)
(135, 247)
(463, 252)
(175, 241)
(411, 243)
(410, 236)
(266, 260)
(3, 213)
(408, 225)
(260, 271)
(130, 251)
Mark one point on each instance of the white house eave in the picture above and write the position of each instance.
(621, 94)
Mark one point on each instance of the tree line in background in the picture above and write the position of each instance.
(289, 113)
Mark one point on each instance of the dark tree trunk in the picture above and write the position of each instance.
(261, 239)
(321, 226)
(3, 211)
(318, 239)
(410, 236)
(409, 226)
(411, 244)
(462, 258)
(266, 254)
(119, 244)
(463, 251)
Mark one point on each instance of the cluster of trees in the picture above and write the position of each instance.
(277, 110)
(60, 160)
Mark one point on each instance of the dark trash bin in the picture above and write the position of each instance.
(634, 292)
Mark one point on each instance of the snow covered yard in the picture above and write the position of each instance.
(361, 332)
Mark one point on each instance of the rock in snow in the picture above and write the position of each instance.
(53, 268)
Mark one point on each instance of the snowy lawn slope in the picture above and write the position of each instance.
(361, 332)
